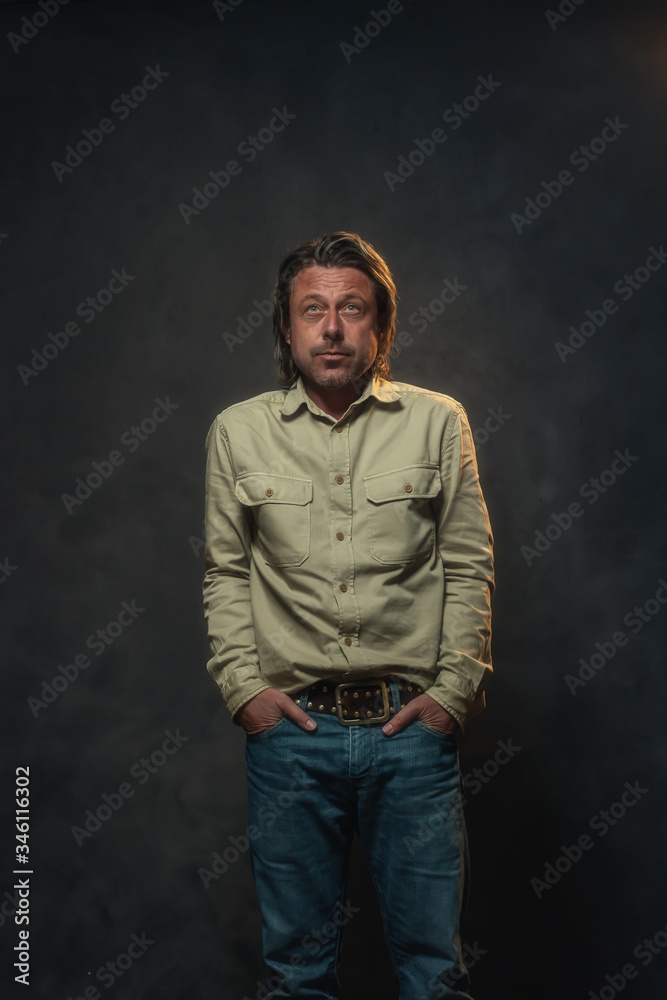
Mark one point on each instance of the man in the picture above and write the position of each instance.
(347, 592)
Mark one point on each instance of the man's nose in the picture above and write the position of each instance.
(332, 325)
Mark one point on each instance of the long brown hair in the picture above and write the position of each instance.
(339, 249)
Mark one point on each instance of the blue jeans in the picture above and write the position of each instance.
(307, 793)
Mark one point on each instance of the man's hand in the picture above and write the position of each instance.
(269, 707)
(428, 711)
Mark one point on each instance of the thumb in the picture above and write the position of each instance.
(402, 719)
(296, 714)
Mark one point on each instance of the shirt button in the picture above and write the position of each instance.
(269, 492)
(340, 479)
(343, 587)
(347, 640)
(408, 487)
(340, 536)
(339, 430)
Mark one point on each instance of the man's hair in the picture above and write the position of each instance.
(339, 249)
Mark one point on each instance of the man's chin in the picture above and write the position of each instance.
(334, 378)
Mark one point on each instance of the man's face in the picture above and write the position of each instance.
(333, 325)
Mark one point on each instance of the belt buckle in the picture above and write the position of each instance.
(363, 722)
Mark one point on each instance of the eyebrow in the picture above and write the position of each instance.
(322, 298)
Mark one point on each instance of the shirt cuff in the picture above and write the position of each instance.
(457, 694)
(237, 684)
(241, 698)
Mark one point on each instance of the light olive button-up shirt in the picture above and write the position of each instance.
(348, 548)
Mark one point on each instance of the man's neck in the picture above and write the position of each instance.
(335, 402)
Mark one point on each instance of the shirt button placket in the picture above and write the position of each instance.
(341, 528)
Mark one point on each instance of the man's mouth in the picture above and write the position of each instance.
(333, 354)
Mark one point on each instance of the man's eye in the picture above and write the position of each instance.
(352, 306)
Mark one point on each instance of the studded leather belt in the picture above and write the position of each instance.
(358, 704)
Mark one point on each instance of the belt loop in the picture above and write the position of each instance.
(395, 696)
(303, 699)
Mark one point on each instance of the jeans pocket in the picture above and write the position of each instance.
(446, 737)
(268, 733)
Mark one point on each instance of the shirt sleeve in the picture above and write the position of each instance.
(465, 544)
(234, 662)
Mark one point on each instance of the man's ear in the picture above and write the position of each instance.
(286, 335)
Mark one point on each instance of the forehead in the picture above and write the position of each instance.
(331, 281)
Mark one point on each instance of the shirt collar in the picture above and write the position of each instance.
(375, 387)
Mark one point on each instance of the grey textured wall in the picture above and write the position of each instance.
(536, 261)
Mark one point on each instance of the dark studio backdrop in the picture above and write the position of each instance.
(508, 160)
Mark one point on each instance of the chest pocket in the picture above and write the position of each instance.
(401, 524)
(281, 507)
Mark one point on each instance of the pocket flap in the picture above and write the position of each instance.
(403, 484)
(259, 487)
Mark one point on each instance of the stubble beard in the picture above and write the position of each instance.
(338, 378)
(332, 380)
